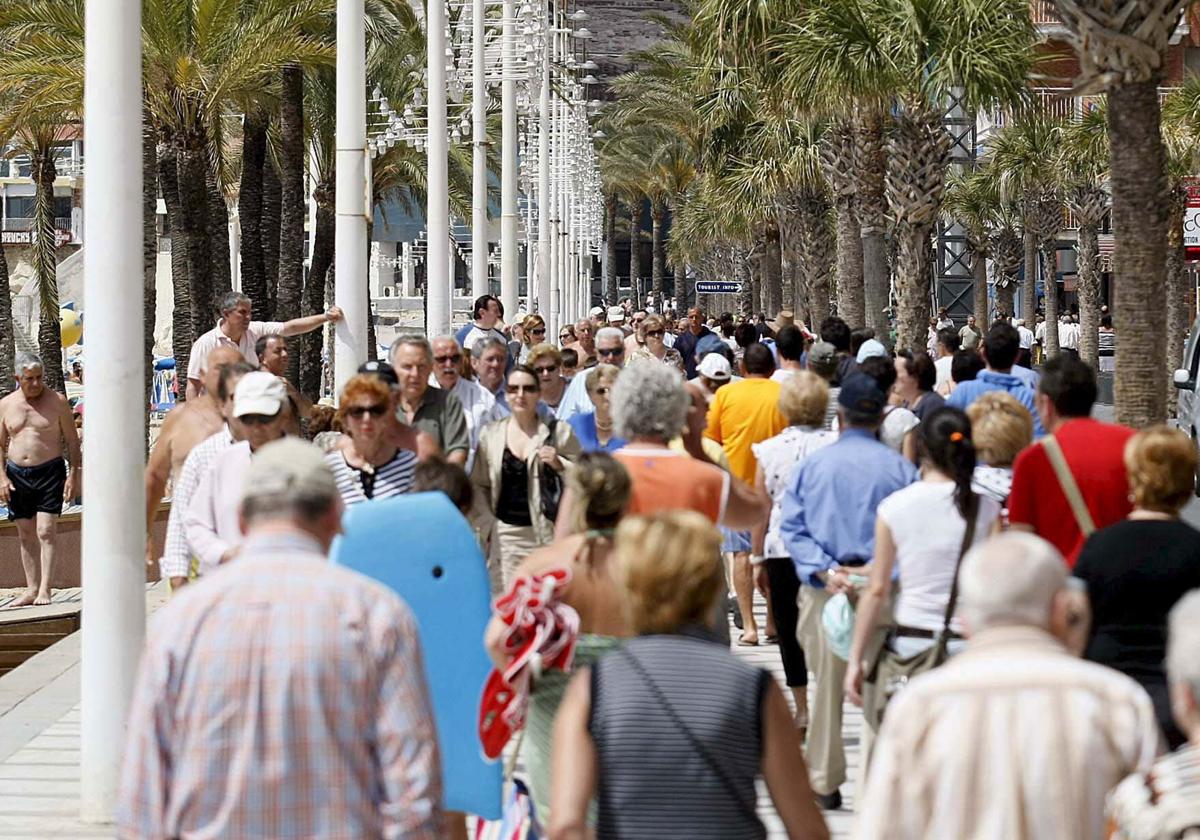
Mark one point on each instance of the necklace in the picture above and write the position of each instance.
(604, 427)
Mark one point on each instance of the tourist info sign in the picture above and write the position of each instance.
(718, 287)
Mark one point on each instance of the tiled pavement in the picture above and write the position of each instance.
(39, 782)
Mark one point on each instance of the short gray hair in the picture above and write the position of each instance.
(610, 332)
(1183, 642)
(26, 362)
(485, 344)
(649, 400)
(1010, 579)
(231, 301)
(412, 341)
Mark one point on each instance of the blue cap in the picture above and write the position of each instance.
(861, 393)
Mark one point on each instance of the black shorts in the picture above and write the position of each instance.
(36, 489)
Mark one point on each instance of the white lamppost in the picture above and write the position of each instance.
(437, 213)
(479, 240)
(352, 199)
(114, 533)
(509, 258)
(545, 301)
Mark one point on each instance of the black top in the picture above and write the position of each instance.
(513, 507)
(929, 402)
(1135, 571)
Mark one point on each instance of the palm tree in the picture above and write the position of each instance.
(1085, 188)
(1121, 49)
(250, 210)
(839, 161)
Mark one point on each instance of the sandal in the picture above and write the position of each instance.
(771, 639)
(743, 643)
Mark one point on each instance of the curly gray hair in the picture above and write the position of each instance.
(649, 401)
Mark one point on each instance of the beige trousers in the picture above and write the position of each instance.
(510, 545)
(824, 751)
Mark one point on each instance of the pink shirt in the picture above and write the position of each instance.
(214, 338)
(212, 517)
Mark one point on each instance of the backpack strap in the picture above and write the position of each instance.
(1070, 489)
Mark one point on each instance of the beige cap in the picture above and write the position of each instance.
(289, 466)
(259, 392)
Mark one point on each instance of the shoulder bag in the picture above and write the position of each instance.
(1068, 485)
(550, 481)
(892, 672)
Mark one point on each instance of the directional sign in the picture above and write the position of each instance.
(718, 287)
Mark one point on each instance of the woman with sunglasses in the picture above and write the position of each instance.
(514, 455)
(566, 335)
(366, 463)
(546, 362)
(595, 428)
(533, 333)
(653, 334)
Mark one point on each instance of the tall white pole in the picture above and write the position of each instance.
(114, 533)
(479, 237)
(437, 214)
(351, 198)
(543, 197)
(509, 258)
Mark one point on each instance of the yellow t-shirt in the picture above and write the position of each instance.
(742, 414)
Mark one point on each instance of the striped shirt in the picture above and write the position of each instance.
(282, 697)
(177, 556)
(1012, 739)
(653, 780)
(1163, 804)
(387, 480)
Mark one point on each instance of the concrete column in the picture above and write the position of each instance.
(408, 271)
(352, 193)
(437, 215)
(479, 224)
(509, 164)
(114, 530)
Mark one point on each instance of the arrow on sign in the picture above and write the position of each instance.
(718, 287)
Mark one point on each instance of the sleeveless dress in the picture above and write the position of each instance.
(654, 780)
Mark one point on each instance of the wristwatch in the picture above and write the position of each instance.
(757, 559)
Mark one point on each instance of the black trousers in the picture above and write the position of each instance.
(785, 588)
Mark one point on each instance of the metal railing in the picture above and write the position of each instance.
(1044, 13)
(1057, 102)
(19, 223)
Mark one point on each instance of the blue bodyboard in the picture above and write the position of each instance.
(423, 548)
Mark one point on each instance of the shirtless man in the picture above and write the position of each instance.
(184, 427)
(34, 423)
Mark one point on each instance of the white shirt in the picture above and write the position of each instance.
(777, 457)
(927, 530)
(1039, 332)
(212, 517)
(1012, 739)
(177, 556)
(942, 366)
(215, 338)
(1026, 335)
(782, 375)
(1068, 336)
(479, 408)
(478, 333)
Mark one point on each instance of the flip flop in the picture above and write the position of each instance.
(743, 643)
(771, 639)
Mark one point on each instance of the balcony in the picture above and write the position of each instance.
(1058, 103)
(18, 223)
(1045, 14)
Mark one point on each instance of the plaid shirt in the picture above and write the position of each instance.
(282, 697)
(177, 557)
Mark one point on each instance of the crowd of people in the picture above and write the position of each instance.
(943, 536)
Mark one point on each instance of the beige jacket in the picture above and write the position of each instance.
(485, 473)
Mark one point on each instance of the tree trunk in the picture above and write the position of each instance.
(912, 286)
(1006, 248)
(7, 330)
(611, 208)
(745, 276)
(1050, 285)
(314, 291)
(816, 253)
(684, 292)
(849, 265)
(1139, 190)
(218, 236)
(149, 264)
(292, 204)
(272, 197)
(1005, 299)
(1029, 305)
(635, 252)
(772, 268)
(871, 207)
(182, 335)
(658, 212)
(194, 215)
(979, 278)
(250, 213)
(45, 267)
(1177, 304)
(1088, 251)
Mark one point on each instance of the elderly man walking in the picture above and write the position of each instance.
(237, 330)
(610, 350)
(1015, 738)
(479, 406)
(436, 412)
(827, 522)
(36, 429)
(283, 697)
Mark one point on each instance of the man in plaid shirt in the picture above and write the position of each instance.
(281, 696)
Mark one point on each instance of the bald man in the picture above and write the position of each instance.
(184, 427)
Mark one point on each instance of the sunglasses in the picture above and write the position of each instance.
(258, 419)
(656, 333)
(522, 389)
(546, 370)
(361, 411)
(618, 351)
(538, 330)
(441, 360)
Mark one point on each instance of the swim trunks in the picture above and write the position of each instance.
(36, 489)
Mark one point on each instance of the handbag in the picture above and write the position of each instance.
(551, 482)
(892, 672)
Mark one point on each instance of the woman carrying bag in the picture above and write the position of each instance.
(922, 532)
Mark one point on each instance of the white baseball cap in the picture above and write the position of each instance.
(597, 312)
(259, 392)
(715, 366)
(616, 314)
